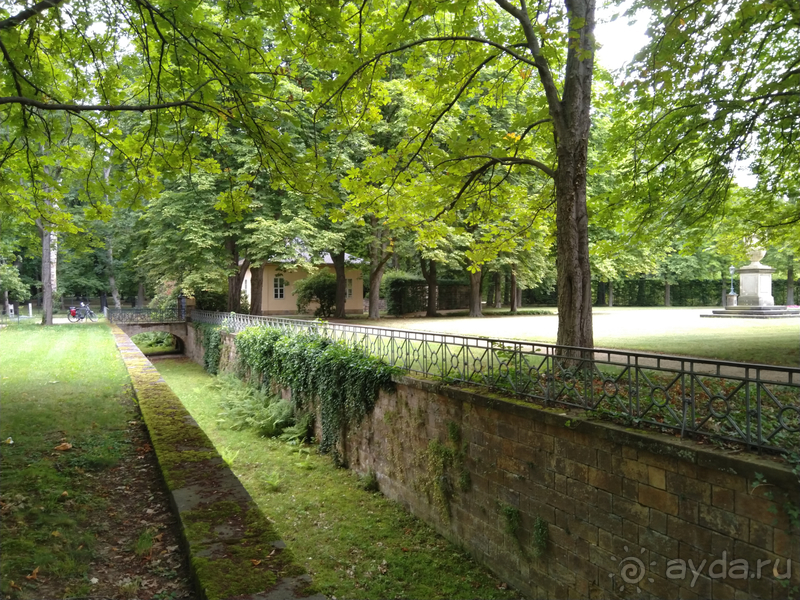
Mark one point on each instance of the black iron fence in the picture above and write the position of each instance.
(757, 405)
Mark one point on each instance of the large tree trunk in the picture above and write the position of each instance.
(256, 289)
(513, 293)
(790, 281)
(572, 241)
(377, 263)
(498, 295)
(724, 291)
(475, 294)
(235, 287)
(49, 252)
(112, 280)
(610, 294)
(140, 294)
(667, 294)
(570, 114)
(601, 293)
(5, 302)
(375, 278)
(429, 273)
(239, 269)
(54, 263)
(341, 284)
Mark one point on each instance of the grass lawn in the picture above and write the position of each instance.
(356, 544)
(664, 330)
(78, 479)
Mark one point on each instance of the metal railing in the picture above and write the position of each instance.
(145, 315)
(758, 405)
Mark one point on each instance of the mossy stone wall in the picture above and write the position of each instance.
(607, 497)
(234, 550)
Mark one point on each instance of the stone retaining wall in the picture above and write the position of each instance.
(234, 550)
(628, 513)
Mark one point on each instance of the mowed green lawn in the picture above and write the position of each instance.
(61, 384)
(664, 330)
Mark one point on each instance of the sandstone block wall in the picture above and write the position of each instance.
(628, 513)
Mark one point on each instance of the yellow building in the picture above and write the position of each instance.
(277, 295)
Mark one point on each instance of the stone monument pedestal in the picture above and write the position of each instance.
(755, 299)
(755, 285)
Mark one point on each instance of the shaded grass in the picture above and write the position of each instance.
(156, 350)
(356, 544)
(57, 384)
(153, 343)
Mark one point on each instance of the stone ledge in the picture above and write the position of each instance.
(223, 530)
(744, 464)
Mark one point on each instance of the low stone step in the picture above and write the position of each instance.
(774, 313)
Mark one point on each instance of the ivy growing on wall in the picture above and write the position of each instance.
(212, 345)
(345, 381)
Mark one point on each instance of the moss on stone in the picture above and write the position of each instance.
(214, 513)
(231, 577)
(231, 542)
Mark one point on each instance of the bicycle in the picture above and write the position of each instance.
(76, 314)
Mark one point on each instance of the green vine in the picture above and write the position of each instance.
(344, 380)
(443, 470)
(513, 525)
(513, 520)
(541, 536)
(212, 345)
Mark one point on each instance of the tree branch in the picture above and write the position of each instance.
(95, 107)
(26, 14)
(540, 62)
(419, 42)
(508, 160)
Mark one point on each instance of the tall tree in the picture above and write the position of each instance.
(469, 49)
(715, 92)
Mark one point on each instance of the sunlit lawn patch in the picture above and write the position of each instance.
(663, 330)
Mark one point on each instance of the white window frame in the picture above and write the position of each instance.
(349, 287)
(278, 285)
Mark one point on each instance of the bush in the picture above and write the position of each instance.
(319, 287)
(248, 407)
(153, 339)
(407, 293)
(344, 380)
(404, 293)
(394, 274)
(212, 345)
(211, 300)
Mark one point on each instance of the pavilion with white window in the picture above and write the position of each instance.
(278, 298)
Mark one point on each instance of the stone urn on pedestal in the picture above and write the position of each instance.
(755, 299)
(755, 281)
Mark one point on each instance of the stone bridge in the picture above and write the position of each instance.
(177, 328)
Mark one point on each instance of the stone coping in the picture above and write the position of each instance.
(742, 463)
(233, 548)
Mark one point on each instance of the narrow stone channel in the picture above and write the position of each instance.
(355, 543)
